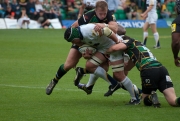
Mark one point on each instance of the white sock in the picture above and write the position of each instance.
(127, 83)
(156, 38)
(100, 72)
(145, 35)
(92, 80)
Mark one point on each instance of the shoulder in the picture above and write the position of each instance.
(110, 16)
(177, 20)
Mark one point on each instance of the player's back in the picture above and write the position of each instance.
(91, 38)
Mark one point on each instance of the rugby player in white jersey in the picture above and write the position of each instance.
(151, 18)
(85, 34)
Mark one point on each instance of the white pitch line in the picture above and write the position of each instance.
(78, 90)
(35, 87)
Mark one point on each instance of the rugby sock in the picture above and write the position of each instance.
(101, 73)
(112, 80)
(83, 70)
(145, 36)
(156, 37)
(92, 81)
(60, 73)
(129, 86)
(178, 101)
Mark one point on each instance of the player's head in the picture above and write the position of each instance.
(121, 30)
(101, 9)
(71, 34)
(178, 6)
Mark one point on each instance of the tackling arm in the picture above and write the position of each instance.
(116, 47)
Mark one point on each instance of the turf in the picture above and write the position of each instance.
(29, 59)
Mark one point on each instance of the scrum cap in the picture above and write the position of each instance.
(71, 34)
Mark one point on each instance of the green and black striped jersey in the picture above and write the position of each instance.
(91, 17)
(140, 55)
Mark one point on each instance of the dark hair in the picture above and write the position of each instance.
(126, 37)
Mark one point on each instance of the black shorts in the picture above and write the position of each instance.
(155, 78)
(175, 26)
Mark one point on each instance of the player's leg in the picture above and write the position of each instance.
(71, 61)
(92, 80)
(171, 98)
(166, 87)
(92, 66)
(145, 33)
(152, 23)
(117, 64)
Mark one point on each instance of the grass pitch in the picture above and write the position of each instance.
(29, 59)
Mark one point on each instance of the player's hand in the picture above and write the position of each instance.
(87, 54)
(177, 61)
(143, 16)
(99, 26)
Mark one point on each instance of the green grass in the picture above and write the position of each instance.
(29, 59)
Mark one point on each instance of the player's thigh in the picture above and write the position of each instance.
(170, 95)
(153, 28)
(96, 60)
(105, 65)
(72, 59)
(146, 26)
(117, 65)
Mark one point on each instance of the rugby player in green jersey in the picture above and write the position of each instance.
(154, 76)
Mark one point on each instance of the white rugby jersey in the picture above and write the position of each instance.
(152, 2)
(102, 43)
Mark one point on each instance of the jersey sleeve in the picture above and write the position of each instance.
(128, 42)
(175, 26)
(85, 18)
(151, 2)
(110, 17)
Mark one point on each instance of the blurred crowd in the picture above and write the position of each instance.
(42, 10)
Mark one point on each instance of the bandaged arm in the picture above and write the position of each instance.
(109, 33)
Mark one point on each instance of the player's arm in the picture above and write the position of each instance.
(75, 24)
(81, 10)
(116, 47)
(113, 26)
(77, 42)
(143, 15)
(175, 45)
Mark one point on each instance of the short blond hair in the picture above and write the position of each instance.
(101, 4)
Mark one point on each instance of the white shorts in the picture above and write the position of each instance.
(126, 58)
(115, 56)
(152, 18)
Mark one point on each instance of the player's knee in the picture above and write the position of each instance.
(68, 66)
(147, 101)
(173, 103)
